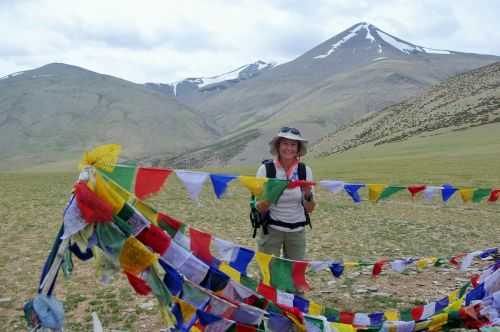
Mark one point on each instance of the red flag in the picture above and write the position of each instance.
(245, 328)
(494, 195)
(300, 183)
(474, 280)
(92, 208)
(155, 238)
(150, 180)
(139, 285)
(415, 189)
(268, 292)
(169, 224)
(346, 317)
(377, 267)
(200, 245)
(299, 275)
(416, 312)
(454, 260)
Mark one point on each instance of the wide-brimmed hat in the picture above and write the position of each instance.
(289, 133)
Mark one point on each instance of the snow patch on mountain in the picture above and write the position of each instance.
(399, 44)
(12, 75)
(351, 34)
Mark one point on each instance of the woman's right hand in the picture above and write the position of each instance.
(263, 206)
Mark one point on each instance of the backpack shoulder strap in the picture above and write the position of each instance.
(302, 172)
(270, 168)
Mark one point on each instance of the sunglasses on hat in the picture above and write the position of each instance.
(294, 131)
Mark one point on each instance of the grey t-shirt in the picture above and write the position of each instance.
(289, 207)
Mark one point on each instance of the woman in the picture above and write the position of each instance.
(287, 218)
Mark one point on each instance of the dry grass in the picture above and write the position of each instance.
(31, 207)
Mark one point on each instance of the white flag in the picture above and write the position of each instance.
(193, 181)
(332, 186)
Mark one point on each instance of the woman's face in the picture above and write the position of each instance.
(288, 149)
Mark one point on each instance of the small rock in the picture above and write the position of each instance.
(147, 305)
(5, 300)
(360, 291)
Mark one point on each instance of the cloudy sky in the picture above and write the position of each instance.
(164, 41)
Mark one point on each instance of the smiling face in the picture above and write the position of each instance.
(288, 149)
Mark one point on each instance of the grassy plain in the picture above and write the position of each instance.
(31, 206)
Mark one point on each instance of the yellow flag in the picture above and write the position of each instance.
(422, 263)
(147, 211)
(135, 257)
(230, 271)
(341, 327)
(104, 191)
(187, 310)
(466, 194)
(263, 261)
(254, 184)
(315, 309)
(374, 191)
(453, 296)
(103, 157)
(391, 315)
(437, 321)
(351, 264)
(125, 195)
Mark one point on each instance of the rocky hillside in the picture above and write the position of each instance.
(467, 100)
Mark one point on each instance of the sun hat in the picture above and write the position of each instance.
(289, 133)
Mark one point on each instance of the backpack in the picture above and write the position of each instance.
(256, 218)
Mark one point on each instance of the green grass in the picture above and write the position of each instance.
(31, 205)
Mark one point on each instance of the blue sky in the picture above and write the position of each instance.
(164, 41)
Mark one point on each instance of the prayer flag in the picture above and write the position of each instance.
(150, 180)
(447, 191)
(252, 183)
(106, 192)
(135, 257)
(273, 189)
(231, 272)
(92, 208)
(480, 194)
(200, 245)
(158, 288)
(430, 191)
(389, 191)
(193, 181)
(337, 269)
(241, 258)
(220, 183)
(122, 175)
(169, 224)
(466, 194)
(103, 157)
(172, 279)
(332, 186)
(494, 195)
(147, 211)
(415, 189)
(377, 267)
(184, 313)
(281, 273)
(352, 190)
(374, 191)
(215, 280)
(155, 238)
(194, 295)
(139, 285)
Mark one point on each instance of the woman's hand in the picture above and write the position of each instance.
(263, 206)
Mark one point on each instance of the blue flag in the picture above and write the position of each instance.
(241, 258)
(220, 182)
(448, 191)
(352, 190)
(337, 269)
(172, 279)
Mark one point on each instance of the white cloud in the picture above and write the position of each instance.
(164, 41)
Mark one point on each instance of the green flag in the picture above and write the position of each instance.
(123, 175)
(110, 238)
(480, 194)
(194, 295)
(273, 189)
(157, 286)
(281, 274)
(389, 191)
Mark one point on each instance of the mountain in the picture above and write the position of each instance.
(465, 101)
(360, 70)
(56, 111)
(192, 91)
